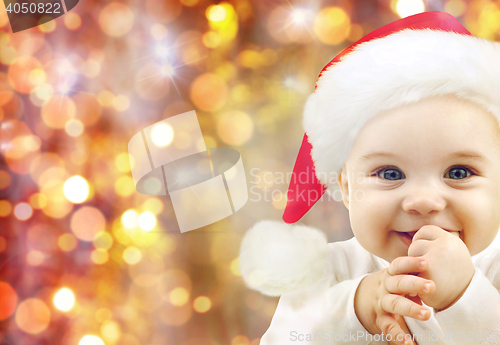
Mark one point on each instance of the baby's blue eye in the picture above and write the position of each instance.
(390, 174)
(458, 173)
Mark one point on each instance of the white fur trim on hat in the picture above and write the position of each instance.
(389, 72)
(277, 258)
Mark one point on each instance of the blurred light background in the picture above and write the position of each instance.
(84, 258)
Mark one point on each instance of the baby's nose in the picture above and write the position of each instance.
(424, 201)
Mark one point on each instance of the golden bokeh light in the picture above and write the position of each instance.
(211, 39)
(235, 127)
(179, 296)
(103, 314)
(64, 299)
(147, 221)
(110, 331)
(74, 127)
(279, 200)
(103, 240)
(5, 208)
(124, 186)
(67, 242)
(53, 188)
(235, 267)
(19, 73)
(116, 19)
(407, 8)
(332, 25)
(38, 200)
(57, 111)
(99, 256)
(123, 162)
(209, 92)
(47, 26)
(153, 205)
(32, 316)
(130, 219)
(121, 103)
(216, 13)
(132, 255)
(72, 21)
(162, 134)
(91, 339)
(105, 98)
(86, 222)
(76, 189)
(202, 304)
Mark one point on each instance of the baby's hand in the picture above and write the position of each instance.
(379, 299)
(450, 264)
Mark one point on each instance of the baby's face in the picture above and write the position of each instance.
(435, 162)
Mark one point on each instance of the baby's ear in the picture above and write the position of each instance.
(344, 186)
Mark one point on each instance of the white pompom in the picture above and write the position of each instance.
(278, 258)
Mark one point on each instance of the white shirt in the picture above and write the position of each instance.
(324, 313)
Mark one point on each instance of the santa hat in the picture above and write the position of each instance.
(428, 54)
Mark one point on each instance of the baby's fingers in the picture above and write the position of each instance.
(407, 264)
(392, 330)
(409, 285)
(395, 304)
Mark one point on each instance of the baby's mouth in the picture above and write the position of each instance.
(406, 237)
(411, 234)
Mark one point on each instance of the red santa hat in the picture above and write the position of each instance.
(421, 56)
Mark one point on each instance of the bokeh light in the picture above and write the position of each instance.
(5, 208)
(90, 339)
(23, 211)
(86, 222)
(116, 19)
(8, 300)
(162, 134)
(32, 316)
(235, 127)
(64, 299)
(130, 219)
(147, 221)
(76, 189)
(407, 8)
(332, 25)
(67, 242)
(202, 304)
(132, 255)
(110, 331)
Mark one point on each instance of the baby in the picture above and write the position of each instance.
(409, 119)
